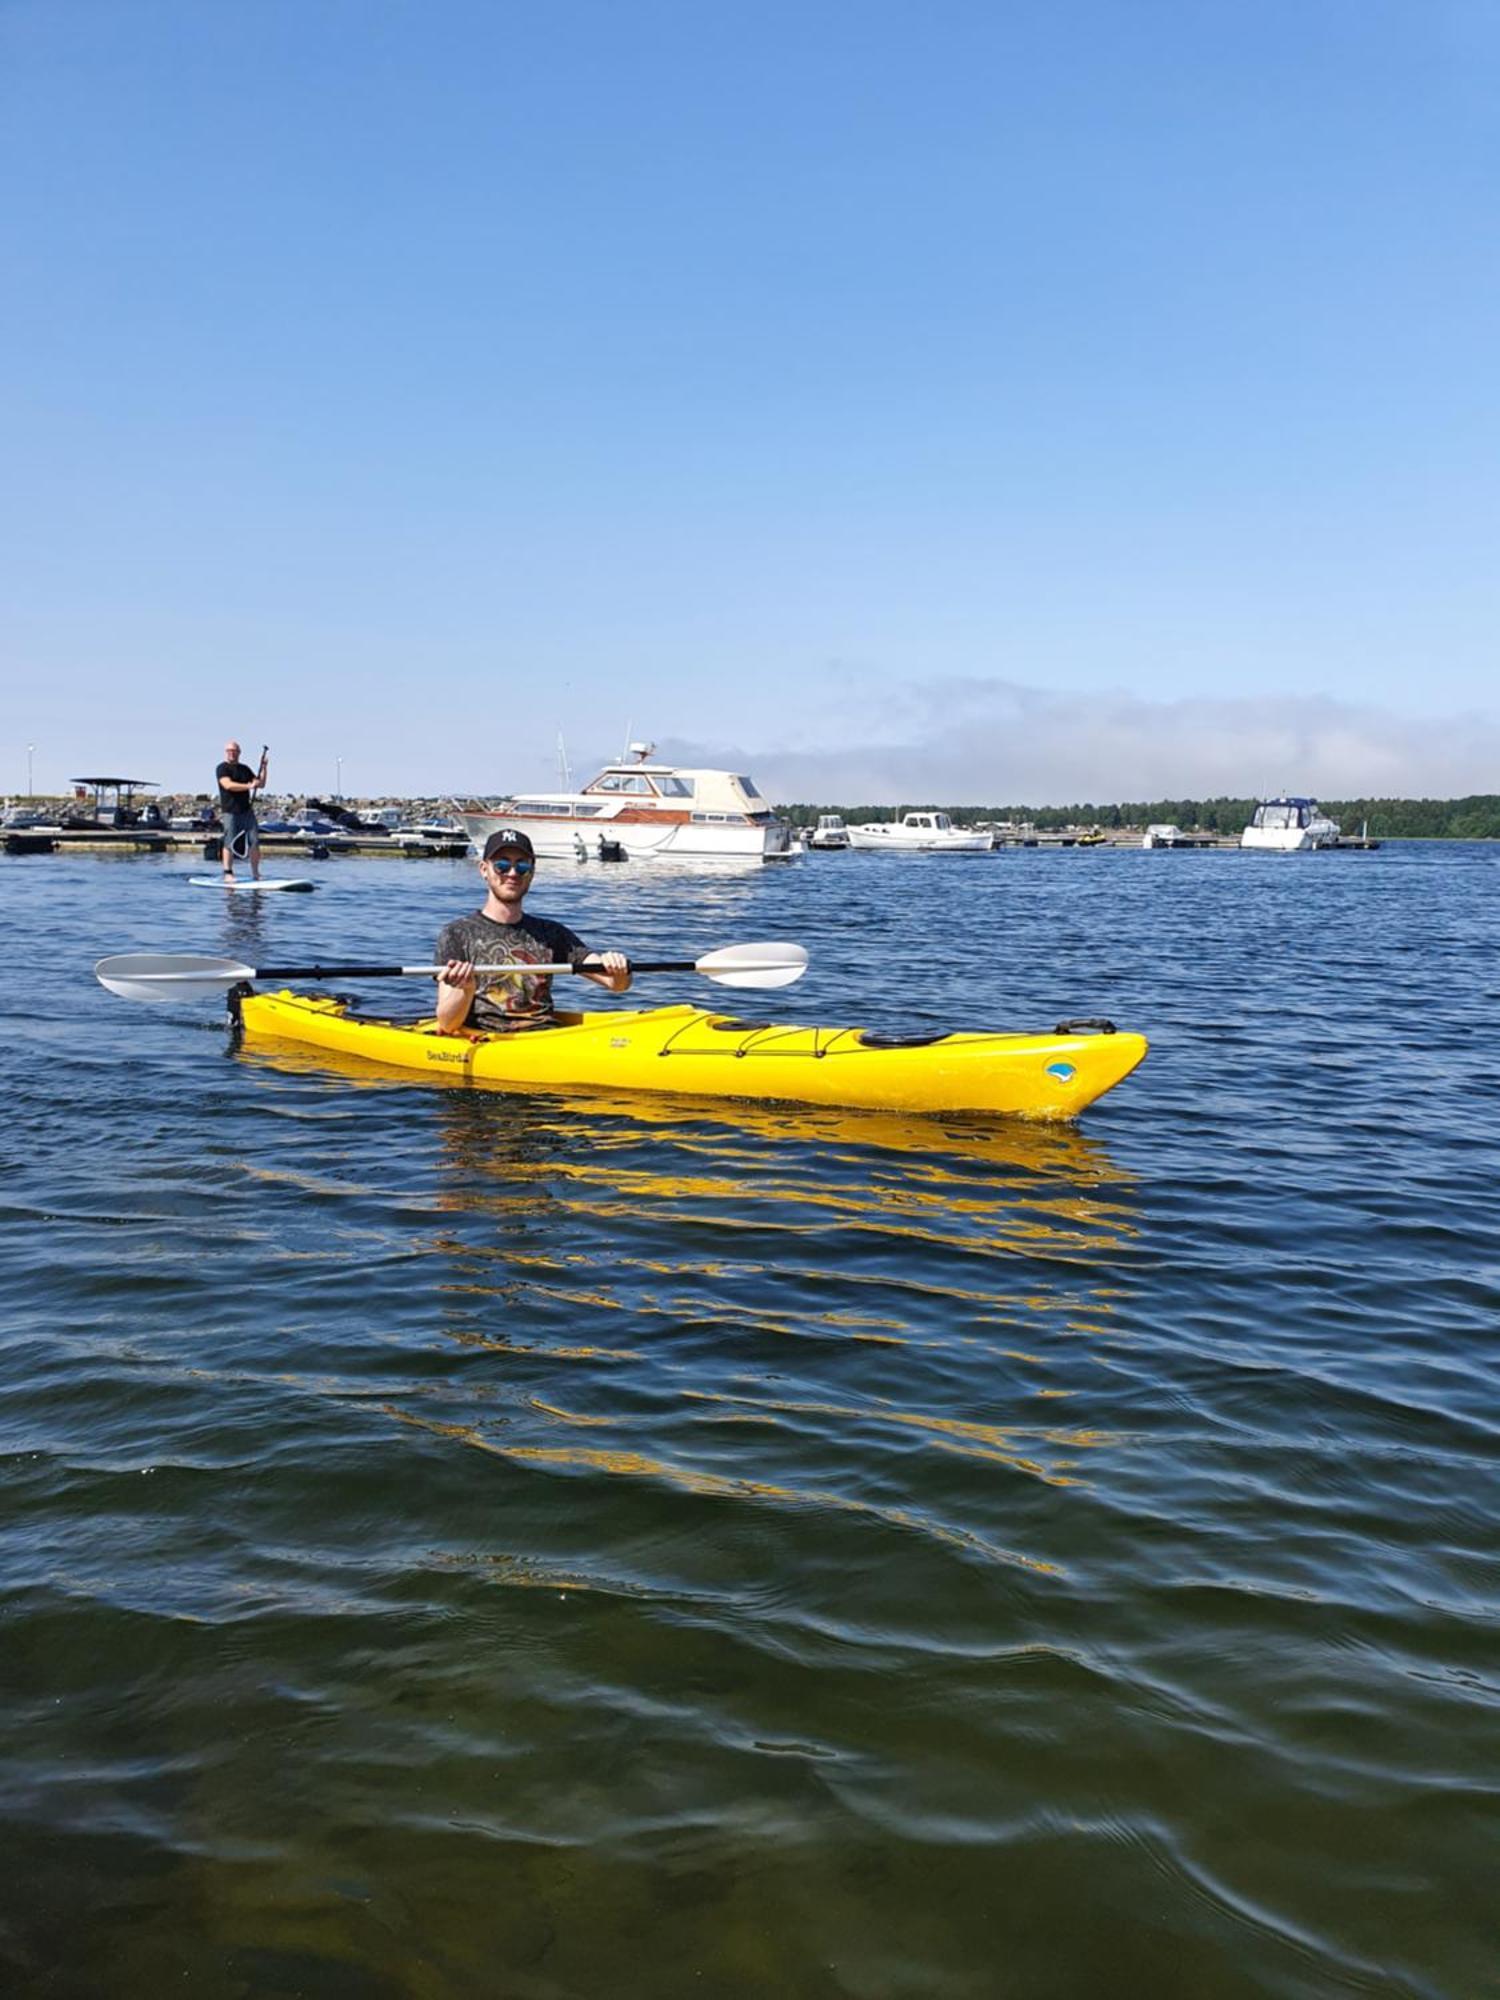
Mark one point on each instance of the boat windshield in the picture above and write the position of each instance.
(623, 781)
(675, 788)
(1281, 813)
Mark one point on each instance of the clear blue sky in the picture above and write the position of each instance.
(407, 380)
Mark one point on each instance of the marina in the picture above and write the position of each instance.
(47, 838)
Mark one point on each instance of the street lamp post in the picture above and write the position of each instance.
(339, 788)
(30, 787)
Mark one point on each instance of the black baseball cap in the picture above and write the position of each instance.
(508, 836)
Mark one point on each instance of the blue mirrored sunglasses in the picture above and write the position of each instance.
(502, 867)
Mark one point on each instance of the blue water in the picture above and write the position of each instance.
(460, 1543)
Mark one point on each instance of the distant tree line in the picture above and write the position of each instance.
(1473, 818)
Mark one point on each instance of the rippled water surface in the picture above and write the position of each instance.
(461, 1543)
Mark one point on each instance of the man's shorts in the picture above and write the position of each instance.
(241, 836)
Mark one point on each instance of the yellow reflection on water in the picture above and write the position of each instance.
(648, 1252)
(1056, 1151)
(628, 1464)
(996, 1441)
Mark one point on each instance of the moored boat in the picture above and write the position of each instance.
(650, 809)
(830, 835)
(684, 1050)
(1290, 826)
(919, 833)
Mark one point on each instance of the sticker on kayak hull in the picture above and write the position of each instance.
(1064, 1072)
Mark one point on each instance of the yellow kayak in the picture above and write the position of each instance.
(686, 1051)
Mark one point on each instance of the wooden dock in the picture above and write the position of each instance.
(161, 840)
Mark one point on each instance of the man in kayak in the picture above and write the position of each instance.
(238, 785)
(502, 934)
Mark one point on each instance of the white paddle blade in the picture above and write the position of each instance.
(754, 964)
(157, 976)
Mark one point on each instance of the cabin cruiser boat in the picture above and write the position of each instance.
(1164, 834)
(919, 833)
(445, 837)
(1290, 826)
(830, 835)
(646, 808)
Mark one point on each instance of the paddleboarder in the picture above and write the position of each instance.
(238, 785)
(501, 933)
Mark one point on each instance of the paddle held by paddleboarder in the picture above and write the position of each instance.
(501, 933)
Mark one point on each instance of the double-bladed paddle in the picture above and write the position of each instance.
(160, 976)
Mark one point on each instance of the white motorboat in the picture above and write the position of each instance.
(1163, 835)
(919, 833)
(1290, 826)
(830, 835)
(646, 808)
(429, 835)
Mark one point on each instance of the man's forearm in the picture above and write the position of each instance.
(452, 1006)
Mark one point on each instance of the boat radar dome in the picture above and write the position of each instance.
(641, 751)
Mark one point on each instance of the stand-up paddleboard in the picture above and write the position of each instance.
(269, 882)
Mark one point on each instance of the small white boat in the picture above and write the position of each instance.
(646, 808)
(1163, 835)
(424, 834)
(1290, 826)
(830, 835)
(919, 833)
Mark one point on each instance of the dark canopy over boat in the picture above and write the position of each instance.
(113, 802)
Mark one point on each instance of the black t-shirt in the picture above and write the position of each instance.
(510, 1003)
(235, 802)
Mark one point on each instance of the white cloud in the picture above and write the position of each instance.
(990, 741)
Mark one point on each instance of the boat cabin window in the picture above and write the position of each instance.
(623, 781)
(675, 788)
(747, 788)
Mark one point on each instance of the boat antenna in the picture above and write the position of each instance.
(562, 764)
(629, 725)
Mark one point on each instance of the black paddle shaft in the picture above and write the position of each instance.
(328, 972)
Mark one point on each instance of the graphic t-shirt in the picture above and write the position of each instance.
(235, 802)
(510, 1003)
